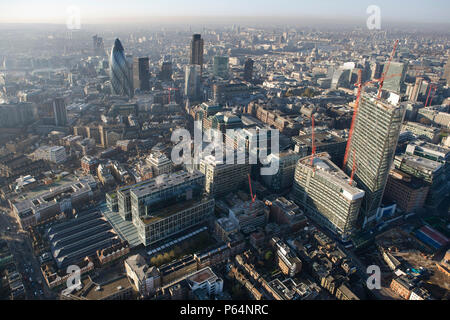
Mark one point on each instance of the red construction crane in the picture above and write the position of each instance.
(433, 87)
(383, 76)
(313, 141)
(359, 85)
(170, 93)
(251, 192)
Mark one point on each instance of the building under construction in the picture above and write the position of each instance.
(372, 146)
(327, 194)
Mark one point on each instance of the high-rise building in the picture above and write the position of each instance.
(375, 137)
(326, 195)
(447, 71)
(98, 46)
(220, 67)
(166, 71)
(395, 77)
(192, 82)
(141, 74)
(376, 70)
(17, 115)
(121, 80)
(416, 90)
(197, 51)
(248, 70)
(433, 173)
(60, 112)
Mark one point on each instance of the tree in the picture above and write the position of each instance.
(268, 256)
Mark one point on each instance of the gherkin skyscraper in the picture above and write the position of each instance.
(120, 71)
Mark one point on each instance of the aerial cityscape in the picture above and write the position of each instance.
(224, 151)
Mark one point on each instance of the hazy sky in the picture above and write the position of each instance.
(101, 11)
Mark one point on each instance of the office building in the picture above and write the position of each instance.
(98, 46)
(283, 179)
(54, 154)
(166, 71)
(146, 279)
(192, 83)
(433, 173)
(421, 131)
(124, 201)
(39, 208)
(395, 77)
(220, 67)
(324, 142)
(120, 75)
(118, 288)
(286, 212)
(408, 192)
(197, 51)
(60, 112)
(159, 163)
(224, 92)
(222, 178)
(447, 71)
(249, 215)
(168, 204)
(325, 194)
(204, 284)
(17, 115)
(141, 74)
(375, 137)
(248, 70)
(415, 92)
(429, 151)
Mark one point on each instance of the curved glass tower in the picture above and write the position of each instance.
(120, 71)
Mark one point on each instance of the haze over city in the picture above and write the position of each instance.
(116, 11)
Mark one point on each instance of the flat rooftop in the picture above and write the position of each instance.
(331, 172)
(426, 164)
(164, 181)
(173, 209)
(321, 139)
(203, 275)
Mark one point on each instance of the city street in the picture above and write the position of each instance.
(27, 265)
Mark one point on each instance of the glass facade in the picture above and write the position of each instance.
(120, 71)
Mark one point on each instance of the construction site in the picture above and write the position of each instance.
(399, 253)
